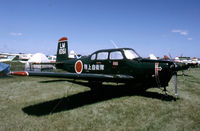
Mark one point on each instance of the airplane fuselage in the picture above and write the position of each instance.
(122, 61)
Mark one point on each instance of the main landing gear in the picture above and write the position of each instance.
(165, 91)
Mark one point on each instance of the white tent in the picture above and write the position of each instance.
(35, 63)
(38, 58)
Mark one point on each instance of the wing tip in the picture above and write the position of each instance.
(19, 73)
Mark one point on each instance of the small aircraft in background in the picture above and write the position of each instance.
(5, 57)
(23, 58)
(121, 65)
(52, 58)
(187, 61)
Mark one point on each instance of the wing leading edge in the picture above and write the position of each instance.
(83, 76)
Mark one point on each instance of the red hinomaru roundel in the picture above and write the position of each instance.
(78, 67)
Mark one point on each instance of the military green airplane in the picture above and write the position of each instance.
(121, 65)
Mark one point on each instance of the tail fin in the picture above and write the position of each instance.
(62, 50)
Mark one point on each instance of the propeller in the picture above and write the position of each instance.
(177, 67)
(175, 85)
(175, 76)
(170, 57)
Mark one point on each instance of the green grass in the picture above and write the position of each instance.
(35, 103)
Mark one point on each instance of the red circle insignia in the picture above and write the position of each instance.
(79, 67)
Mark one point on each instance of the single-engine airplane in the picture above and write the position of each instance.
(121, 65)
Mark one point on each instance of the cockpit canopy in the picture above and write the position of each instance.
(130, 54)
(115, 54)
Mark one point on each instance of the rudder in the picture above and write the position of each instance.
(62, 50)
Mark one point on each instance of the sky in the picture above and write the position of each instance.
(160, 27)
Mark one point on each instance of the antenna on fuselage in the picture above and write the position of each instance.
(114, 44)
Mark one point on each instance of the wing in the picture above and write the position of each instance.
(83, 76)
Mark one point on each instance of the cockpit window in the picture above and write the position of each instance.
(130, 54)
(116, 55)
(102, 56)
(93, 57)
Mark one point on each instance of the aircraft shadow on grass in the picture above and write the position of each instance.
(89, 97)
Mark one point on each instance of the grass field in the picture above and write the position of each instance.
(35, 103)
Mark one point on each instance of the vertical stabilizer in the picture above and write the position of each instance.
(62, 50)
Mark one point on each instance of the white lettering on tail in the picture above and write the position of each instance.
(62, 49)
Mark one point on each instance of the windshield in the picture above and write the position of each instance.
(130, 54)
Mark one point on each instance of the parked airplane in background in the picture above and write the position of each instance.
(187, 60)
(112, 65)
(5, 57)
(195, 61)
(23, 58)
(52, 58)
(198, 61)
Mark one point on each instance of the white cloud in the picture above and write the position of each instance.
(181, 32)
(16, 34)
(189, 38)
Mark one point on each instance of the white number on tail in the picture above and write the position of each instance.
(62, 49)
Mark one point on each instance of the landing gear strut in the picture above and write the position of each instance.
(165, 91)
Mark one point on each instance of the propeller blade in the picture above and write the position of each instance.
(170, 56)
(175, 85)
